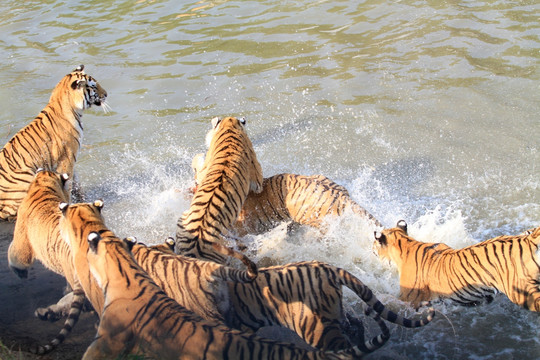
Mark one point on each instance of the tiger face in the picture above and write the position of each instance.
(82, 91)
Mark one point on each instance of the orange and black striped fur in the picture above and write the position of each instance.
(200, 286)
(306, 200)
(37, 236)
(138, 318)
(304, 297)
(507, 264)
(51, 141)
(231, 170)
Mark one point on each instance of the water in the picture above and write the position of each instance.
(424, 110)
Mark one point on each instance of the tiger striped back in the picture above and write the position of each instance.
(51, 141)
(307, 298)
(507, 264)
(304, 297)
(306, 200)
(231, 170)
(77, 221)
(140, 319)
(36, 236)
(198, 285)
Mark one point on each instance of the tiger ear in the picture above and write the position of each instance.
(77, 84)
(64, 177)
(93, 240)
(170, 242)
(215, 122)
(402, 224)
(242, 120)
(130, 241)
(79, 68)
(63, 207)
(381, 238)
(99, 204)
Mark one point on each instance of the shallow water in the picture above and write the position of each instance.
(424, 110)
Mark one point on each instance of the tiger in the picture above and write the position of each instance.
(51, 141)
(468, 276)
(206, 294)
(231, 171)
(305, 200)
(305, 297)
(138, 318)
(36, 236)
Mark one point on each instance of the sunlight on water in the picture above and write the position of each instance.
(425, 111)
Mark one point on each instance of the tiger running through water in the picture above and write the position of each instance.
(51, 141)
(507, 264)
(231, 171)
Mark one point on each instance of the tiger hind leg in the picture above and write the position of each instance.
(56, 311)
(533, 297)
(73, 317)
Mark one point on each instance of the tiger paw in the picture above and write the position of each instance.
(46, 314)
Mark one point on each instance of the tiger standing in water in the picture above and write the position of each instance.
(231, 171)
(51, 141)
(468, 276)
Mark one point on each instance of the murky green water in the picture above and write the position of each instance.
(424, 110)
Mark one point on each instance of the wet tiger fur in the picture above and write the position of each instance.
(138, 318)
(36, 236)
(304, 297)
(51, 141)
(507, 264)
(231, 170)
(306, 200)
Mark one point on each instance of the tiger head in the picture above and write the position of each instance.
(79, 91)
(389, 243)
(20, 251)
(219, 124)
(78, 220)
(166, 247)
(99, 250)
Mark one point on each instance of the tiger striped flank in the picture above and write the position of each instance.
(468, 276)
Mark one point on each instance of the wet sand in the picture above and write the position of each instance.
(20, 330)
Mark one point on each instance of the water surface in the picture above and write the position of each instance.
(424, 110)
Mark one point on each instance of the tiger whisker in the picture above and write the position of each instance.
(106, 107)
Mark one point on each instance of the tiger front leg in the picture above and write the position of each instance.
(533, 297)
